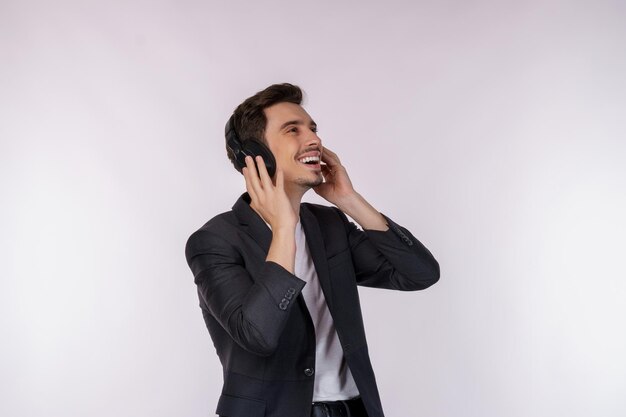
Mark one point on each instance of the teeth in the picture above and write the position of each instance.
(309, 159)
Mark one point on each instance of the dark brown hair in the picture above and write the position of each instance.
(249, 118)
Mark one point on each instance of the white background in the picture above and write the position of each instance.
(494, 131)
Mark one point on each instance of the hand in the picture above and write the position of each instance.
(338, 190)
(268, 200)
(337, 186)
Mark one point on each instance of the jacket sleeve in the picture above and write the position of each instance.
(252, 311)
(391, 259)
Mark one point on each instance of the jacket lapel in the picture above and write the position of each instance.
(252, 223)
(317, 248)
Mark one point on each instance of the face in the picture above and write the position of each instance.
(291, 135)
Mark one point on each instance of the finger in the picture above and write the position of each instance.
(265, 176)
(252, 179)
(253, 174)
(329, 156)
(327, 172)
(249, 187)
(326, 169)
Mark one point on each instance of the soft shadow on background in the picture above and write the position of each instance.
(494, 131)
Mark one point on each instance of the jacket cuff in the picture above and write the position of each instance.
(394, 231)
(282, 289)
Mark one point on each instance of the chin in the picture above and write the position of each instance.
(310, 182)
(316, 182)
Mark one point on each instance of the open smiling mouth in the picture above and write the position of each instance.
(311, 161)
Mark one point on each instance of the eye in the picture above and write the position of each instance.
(293, 130)
(314, 129)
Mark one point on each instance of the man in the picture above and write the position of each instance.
(277, 279)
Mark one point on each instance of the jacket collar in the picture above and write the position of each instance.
(252, 223)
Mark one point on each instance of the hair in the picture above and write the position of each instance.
(249, 118)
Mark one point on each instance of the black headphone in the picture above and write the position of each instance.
(250, 146)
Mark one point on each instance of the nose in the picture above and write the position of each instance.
(313, 140)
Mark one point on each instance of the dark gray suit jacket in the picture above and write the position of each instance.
(258, 320)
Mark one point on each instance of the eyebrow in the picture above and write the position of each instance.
(296, 122)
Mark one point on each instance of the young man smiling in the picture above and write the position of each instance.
(277, 278)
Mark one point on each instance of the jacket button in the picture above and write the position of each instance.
(309, 372)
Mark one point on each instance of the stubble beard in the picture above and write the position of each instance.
(308, 182)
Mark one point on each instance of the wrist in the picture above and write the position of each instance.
(350, 203)
(282, 250)
(284, 230)
(364, 213)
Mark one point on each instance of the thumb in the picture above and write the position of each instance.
(321, 189)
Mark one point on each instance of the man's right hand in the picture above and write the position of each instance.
(267, 199)
(272, 204)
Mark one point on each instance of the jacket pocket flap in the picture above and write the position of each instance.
(231, 406)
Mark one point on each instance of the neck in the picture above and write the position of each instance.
(294, 194)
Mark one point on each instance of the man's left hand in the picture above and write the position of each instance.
(337, 186)
(338, 190)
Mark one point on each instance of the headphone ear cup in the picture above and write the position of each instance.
(249, 147)
(234, 145)
(254, 148)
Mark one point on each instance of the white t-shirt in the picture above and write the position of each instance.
(333, 380)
